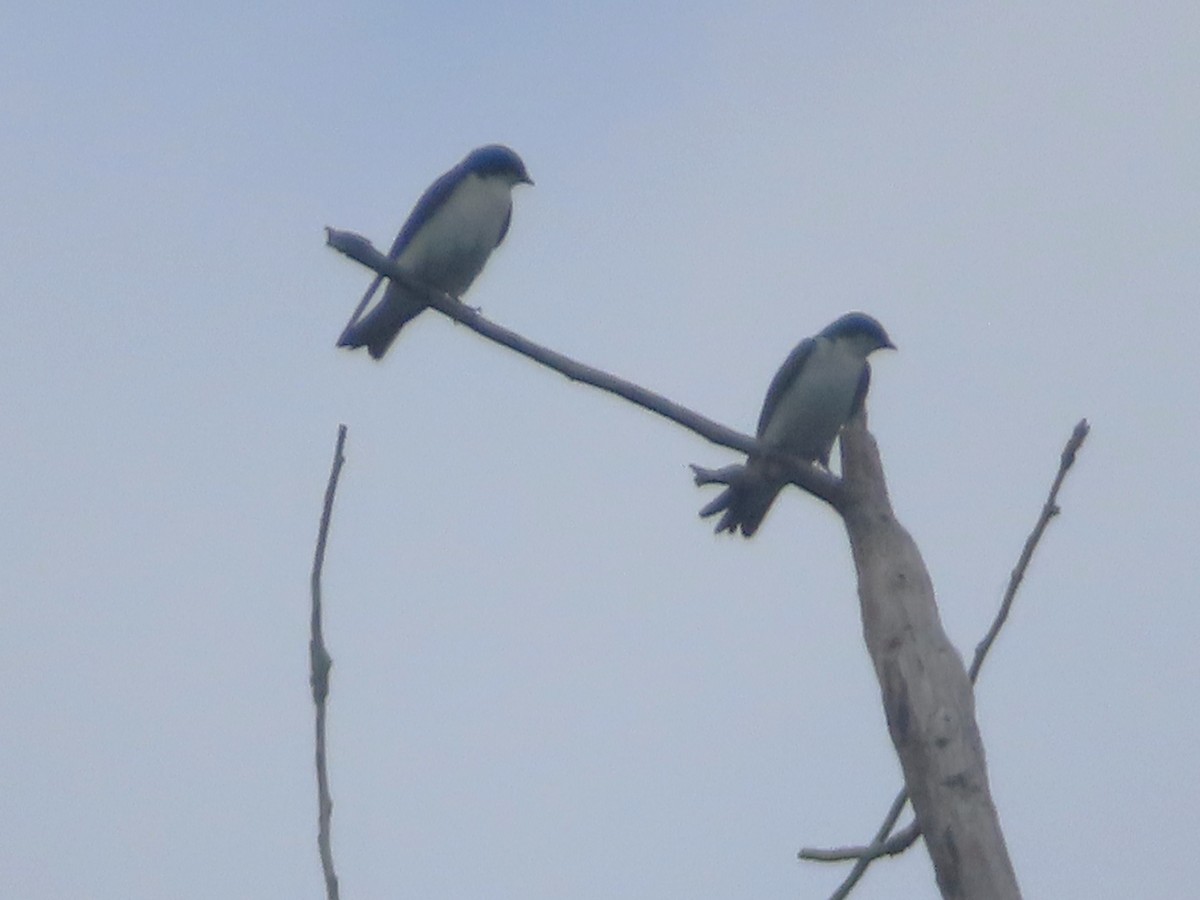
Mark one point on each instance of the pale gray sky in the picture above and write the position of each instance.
(551, 680)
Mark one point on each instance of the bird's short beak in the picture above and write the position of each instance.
(527, 180)
(889, 346)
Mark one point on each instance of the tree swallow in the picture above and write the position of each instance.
(820, 386)
(459, 220)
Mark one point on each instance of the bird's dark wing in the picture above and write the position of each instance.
(504, 227)
(435, 195)
(860, 394)
(787, 373)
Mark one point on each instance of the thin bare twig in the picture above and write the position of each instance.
(882, 845)
(868, 854)
(1049, 511)
(804, 474)
(319, 665)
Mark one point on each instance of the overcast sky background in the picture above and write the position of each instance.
(551, 679)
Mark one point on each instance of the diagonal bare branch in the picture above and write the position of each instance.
(803, 473)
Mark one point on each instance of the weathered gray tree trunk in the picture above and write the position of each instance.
(927, 696)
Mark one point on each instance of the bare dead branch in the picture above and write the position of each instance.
(882, 845)
(320, 663)
(803, 473)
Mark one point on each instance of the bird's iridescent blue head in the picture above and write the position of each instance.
(497, 160)
(861, 328)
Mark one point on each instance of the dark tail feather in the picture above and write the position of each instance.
(744, 505)
(375, 340)
(379, 328)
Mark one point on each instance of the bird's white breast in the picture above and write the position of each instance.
(450, 250)
(817, 403)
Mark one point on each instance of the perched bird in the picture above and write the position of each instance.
(821, 384)
(459, 220)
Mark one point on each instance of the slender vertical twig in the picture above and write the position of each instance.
(319, 665)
